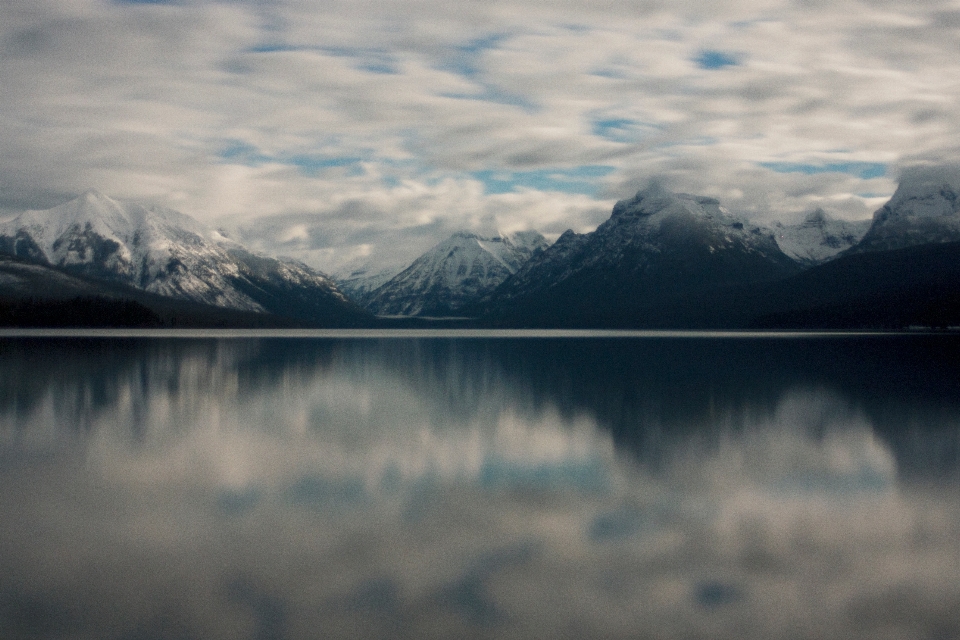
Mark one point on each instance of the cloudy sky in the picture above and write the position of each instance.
(336, 129)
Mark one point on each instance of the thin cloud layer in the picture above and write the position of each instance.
(507, 114)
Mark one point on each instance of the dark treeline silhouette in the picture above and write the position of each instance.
(82, 311)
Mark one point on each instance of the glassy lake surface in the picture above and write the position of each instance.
(655, 487)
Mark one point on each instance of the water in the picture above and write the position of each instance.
(511, 487)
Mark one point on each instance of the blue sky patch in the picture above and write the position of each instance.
(864, 170)
(391, 182)
(312, 164)
(607, 72)
(613, 128)
(581, 179)
(382, 67)
(493, 94)
(373, 60)
(239, 152)
(464, 60)
(271, 47)
(713, 59)
(699, 141)
(621, 129)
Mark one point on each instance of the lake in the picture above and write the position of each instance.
(479, 485)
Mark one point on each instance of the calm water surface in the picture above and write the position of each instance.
(654, 487)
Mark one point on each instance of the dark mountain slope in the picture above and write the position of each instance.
(914, 286)
(33, 295)
(657, 251)
(918, 285)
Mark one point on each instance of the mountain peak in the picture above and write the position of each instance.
(931, 195)
(167, 253)
(925, 209)
(927, 181)
(528, 238)
(655, 199)
(656, 246)
(819, 237)
(94, 204)
(647, 201)
(466, 235)
(816, 218)
(454, 274)
(93, 195)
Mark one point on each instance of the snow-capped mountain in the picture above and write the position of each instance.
(819, 237)
(454, 273)
(925, 209)
(359, 280)
(656, 246)
(165, 252)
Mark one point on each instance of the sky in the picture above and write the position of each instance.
(341, 132)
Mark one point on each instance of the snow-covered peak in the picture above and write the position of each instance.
(654, 204)
(818, 237)
(816, 219)
(650, 201)
(463, 234)
(654, 244)
(528, 239)
(655, 217)
(95, 214)
(927, 192)
(155, 249)
(453, 273)
(925, 209)
(647, 201)
(104, 215)
(453, 256)
(95, 197)
(361, 281)
(927, 200)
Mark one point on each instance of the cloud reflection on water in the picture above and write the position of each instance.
(421, 488)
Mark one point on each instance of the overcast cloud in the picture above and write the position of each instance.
(370, 128)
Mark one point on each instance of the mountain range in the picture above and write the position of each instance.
(655, 248)
(677, 261)
(662, 260)
(667, 260)
(121, 247)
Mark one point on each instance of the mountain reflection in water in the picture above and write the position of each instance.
(507, 488)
